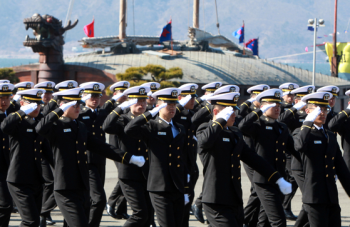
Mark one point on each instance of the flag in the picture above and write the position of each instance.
(310, 28)
(239, 34)
(253, 45)
(89, 29)
(166, 33)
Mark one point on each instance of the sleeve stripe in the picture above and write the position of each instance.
(56, 114)
(291, 111)
(19, 115)
(124, 157)
(145, 117)
(116, 113)
(219, 124)
(256, 114)
(272, 175)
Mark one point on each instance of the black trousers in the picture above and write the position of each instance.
(323, 215)
(97, 193)
(251, 210)
(271, 210)
(139, 200)
(346, 156)
(5, 202)
(169, 207)
(302, 220)
(287, 201)
(49, 202)
(118, 200)
(224, 215)
(28, 199)
(74, 206)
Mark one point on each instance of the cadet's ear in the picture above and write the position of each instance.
(179, 97)
(307, 111)
(349, 103)
(215, 111)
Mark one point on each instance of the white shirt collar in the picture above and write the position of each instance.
(318, 127)
(171, 121)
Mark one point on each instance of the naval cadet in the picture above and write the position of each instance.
(22, 86)
(209, 91)
(222, 149)
(322, 162)
(62, 86)
(118, 97)
(49, 202)
(288, 97)
(93, 117)
(27, 150)
(272, 140)
(70, 140)
(151, 102)
(133, 180)
(6, 200)
(168, 181)
(331, 102)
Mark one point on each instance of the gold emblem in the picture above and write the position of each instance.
(28, 85)
(153, 86)
(217, 85)
(334, 90)
(160, 121)
(291, 87)
(5, 87)
(326, 97)
(81, 93)
(193, 88)
(265, 88)
(142, 91)
(96, 87)
(39, 93)
(126, 84)
(235, 99)
(310, 90)
(174, 93)
(232, 89)
(277, 94)
(49, 85)
(70, 85)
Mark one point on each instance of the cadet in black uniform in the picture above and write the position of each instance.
(70, 140)
(62, 86)
(288, 97)
(294, 118)
(322, 160)
(15, 100)
(133, 180)
(222, 149)
(93, 117)
(272, 140)
(24, 177)
(209, 91)
(341, 125)
(49, 203)
(165, 140)
(116, 200)
(151, 102)
(5, 198)
(331, 102)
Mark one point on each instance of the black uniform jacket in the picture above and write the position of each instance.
(330, 115)
(183, 117)
(167, 171)
(202, 115)
(341, 125)
(27, 149)
(321, 159)
(69, 141)
(199, 104)
(4, 150)
(52, 105)
(285, 106)
(222, 150)
(246, 108)
(93, 122)
(14, 106)
(115, 124)
(272, 141)
(110, 105)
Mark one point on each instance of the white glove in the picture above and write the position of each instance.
(266, 107)
(187, 200)
(86, 97)
(42, 96)
(225, 113)
(149, 93)
(117, 96)
(251, 99)
(16, 98)
(156, 109)
(27, 109)
(185, 100)
(127, 104)
(313, 115)
(336, 177)
(188, 178)
(137, 160)
(285, 187)
(205, 97)
(299, 105)
(348, 107)
(285, 93)
(65, 106)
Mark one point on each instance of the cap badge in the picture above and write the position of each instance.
(70, 85)
(142, 91)
(232, 89)
(265, 88)
(49, 85)
(291, 87)
(326, 97)
(193, 88)
(39, 93)
(126, 84)
(235, 99)
(96, 87)
(153, 86)
(28, 85)
(309, 90)
(5, 87)
(217, 85)
(334, 90)
(277, 94)
(174, 93)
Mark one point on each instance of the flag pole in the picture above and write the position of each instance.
(171, 29)
(243, 38)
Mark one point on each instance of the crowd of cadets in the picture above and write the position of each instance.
(53, 153)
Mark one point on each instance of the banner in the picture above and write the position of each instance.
(343, 50)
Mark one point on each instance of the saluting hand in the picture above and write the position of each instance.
(117, 96)
(225, 113)
(65, 106)
(149, 93)
(27, 109)
(313, 115)
(16, 98)
(251, 99)
(137, 160)
(266, 107)
(86, 97)
(285, 187)
(185, 100)
(127, 104)
(157, 109)
(299, 105)
(205, 97)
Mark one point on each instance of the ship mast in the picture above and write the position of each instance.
(196, 13)
(122, 20)
(334, 58)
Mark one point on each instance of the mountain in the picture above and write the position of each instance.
(281, 25)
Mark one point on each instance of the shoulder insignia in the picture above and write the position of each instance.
(160, 121)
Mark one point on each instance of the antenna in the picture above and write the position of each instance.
(71, 3)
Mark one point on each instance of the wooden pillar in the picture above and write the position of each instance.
(122, 20)
(196, 13)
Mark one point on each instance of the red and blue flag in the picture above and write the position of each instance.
(253, 45)
(89, 29)
(239, 34)
(166, 33)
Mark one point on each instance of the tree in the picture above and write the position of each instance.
(8, 74)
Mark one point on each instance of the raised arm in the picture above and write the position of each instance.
(112, 124)
(45, 126)
(207, 134)
(10, 125)
(52, 105)
(337, 123)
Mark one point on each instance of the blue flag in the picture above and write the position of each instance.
(239, 34)
(310, 28)
(253, 45)
(166, 33)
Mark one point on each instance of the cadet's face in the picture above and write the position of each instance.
(72, 112)
(5, 102)
(321, 118)
(190, 104)
(33, 114)
(94, 101)
(151, 101)
(47, 97)
(332, 101)
(288, 98)
(139, 108)
(121, 99)
(168, 111)
(273, 112)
